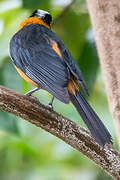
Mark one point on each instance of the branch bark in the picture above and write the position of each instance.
(105, 17)
(33, 111)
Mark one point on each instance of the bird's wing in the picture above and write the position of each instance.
(32, 52)
(69, 60)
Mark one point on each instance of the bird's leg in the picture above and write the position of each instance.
(51, 103)
(29, 93)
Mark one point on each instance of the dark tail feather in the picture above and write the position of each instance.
(93, 122)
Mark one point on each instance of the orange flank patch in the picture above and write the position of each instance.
(72, 85)
(33, 20)
(25, 77)
(56, 49)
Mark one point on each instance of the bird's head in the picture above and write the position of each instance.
(44, 15)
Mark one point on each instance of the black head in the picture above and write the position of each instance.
(44, 15)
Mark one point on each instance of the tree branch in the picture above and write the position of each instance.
(33, 111)
(105, 17)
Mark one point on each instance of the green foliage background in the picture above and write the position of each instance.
(27, 152)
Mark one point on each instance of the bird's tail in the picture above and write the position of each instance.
(93, 122)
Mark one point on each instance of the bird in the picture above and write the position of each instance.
(42, 59)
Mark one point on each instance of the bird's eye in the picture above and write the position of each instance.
(47, 18)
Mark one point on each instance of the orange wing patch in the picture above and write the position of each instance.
(26, 78)
(72, 85)
(56, 49)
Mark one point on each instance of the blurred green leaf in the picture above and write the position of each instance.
(89, 64)
(25, 86)
(12, 19)
(8, 122)
(102, 175)
(37, 4)
(9, 78)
